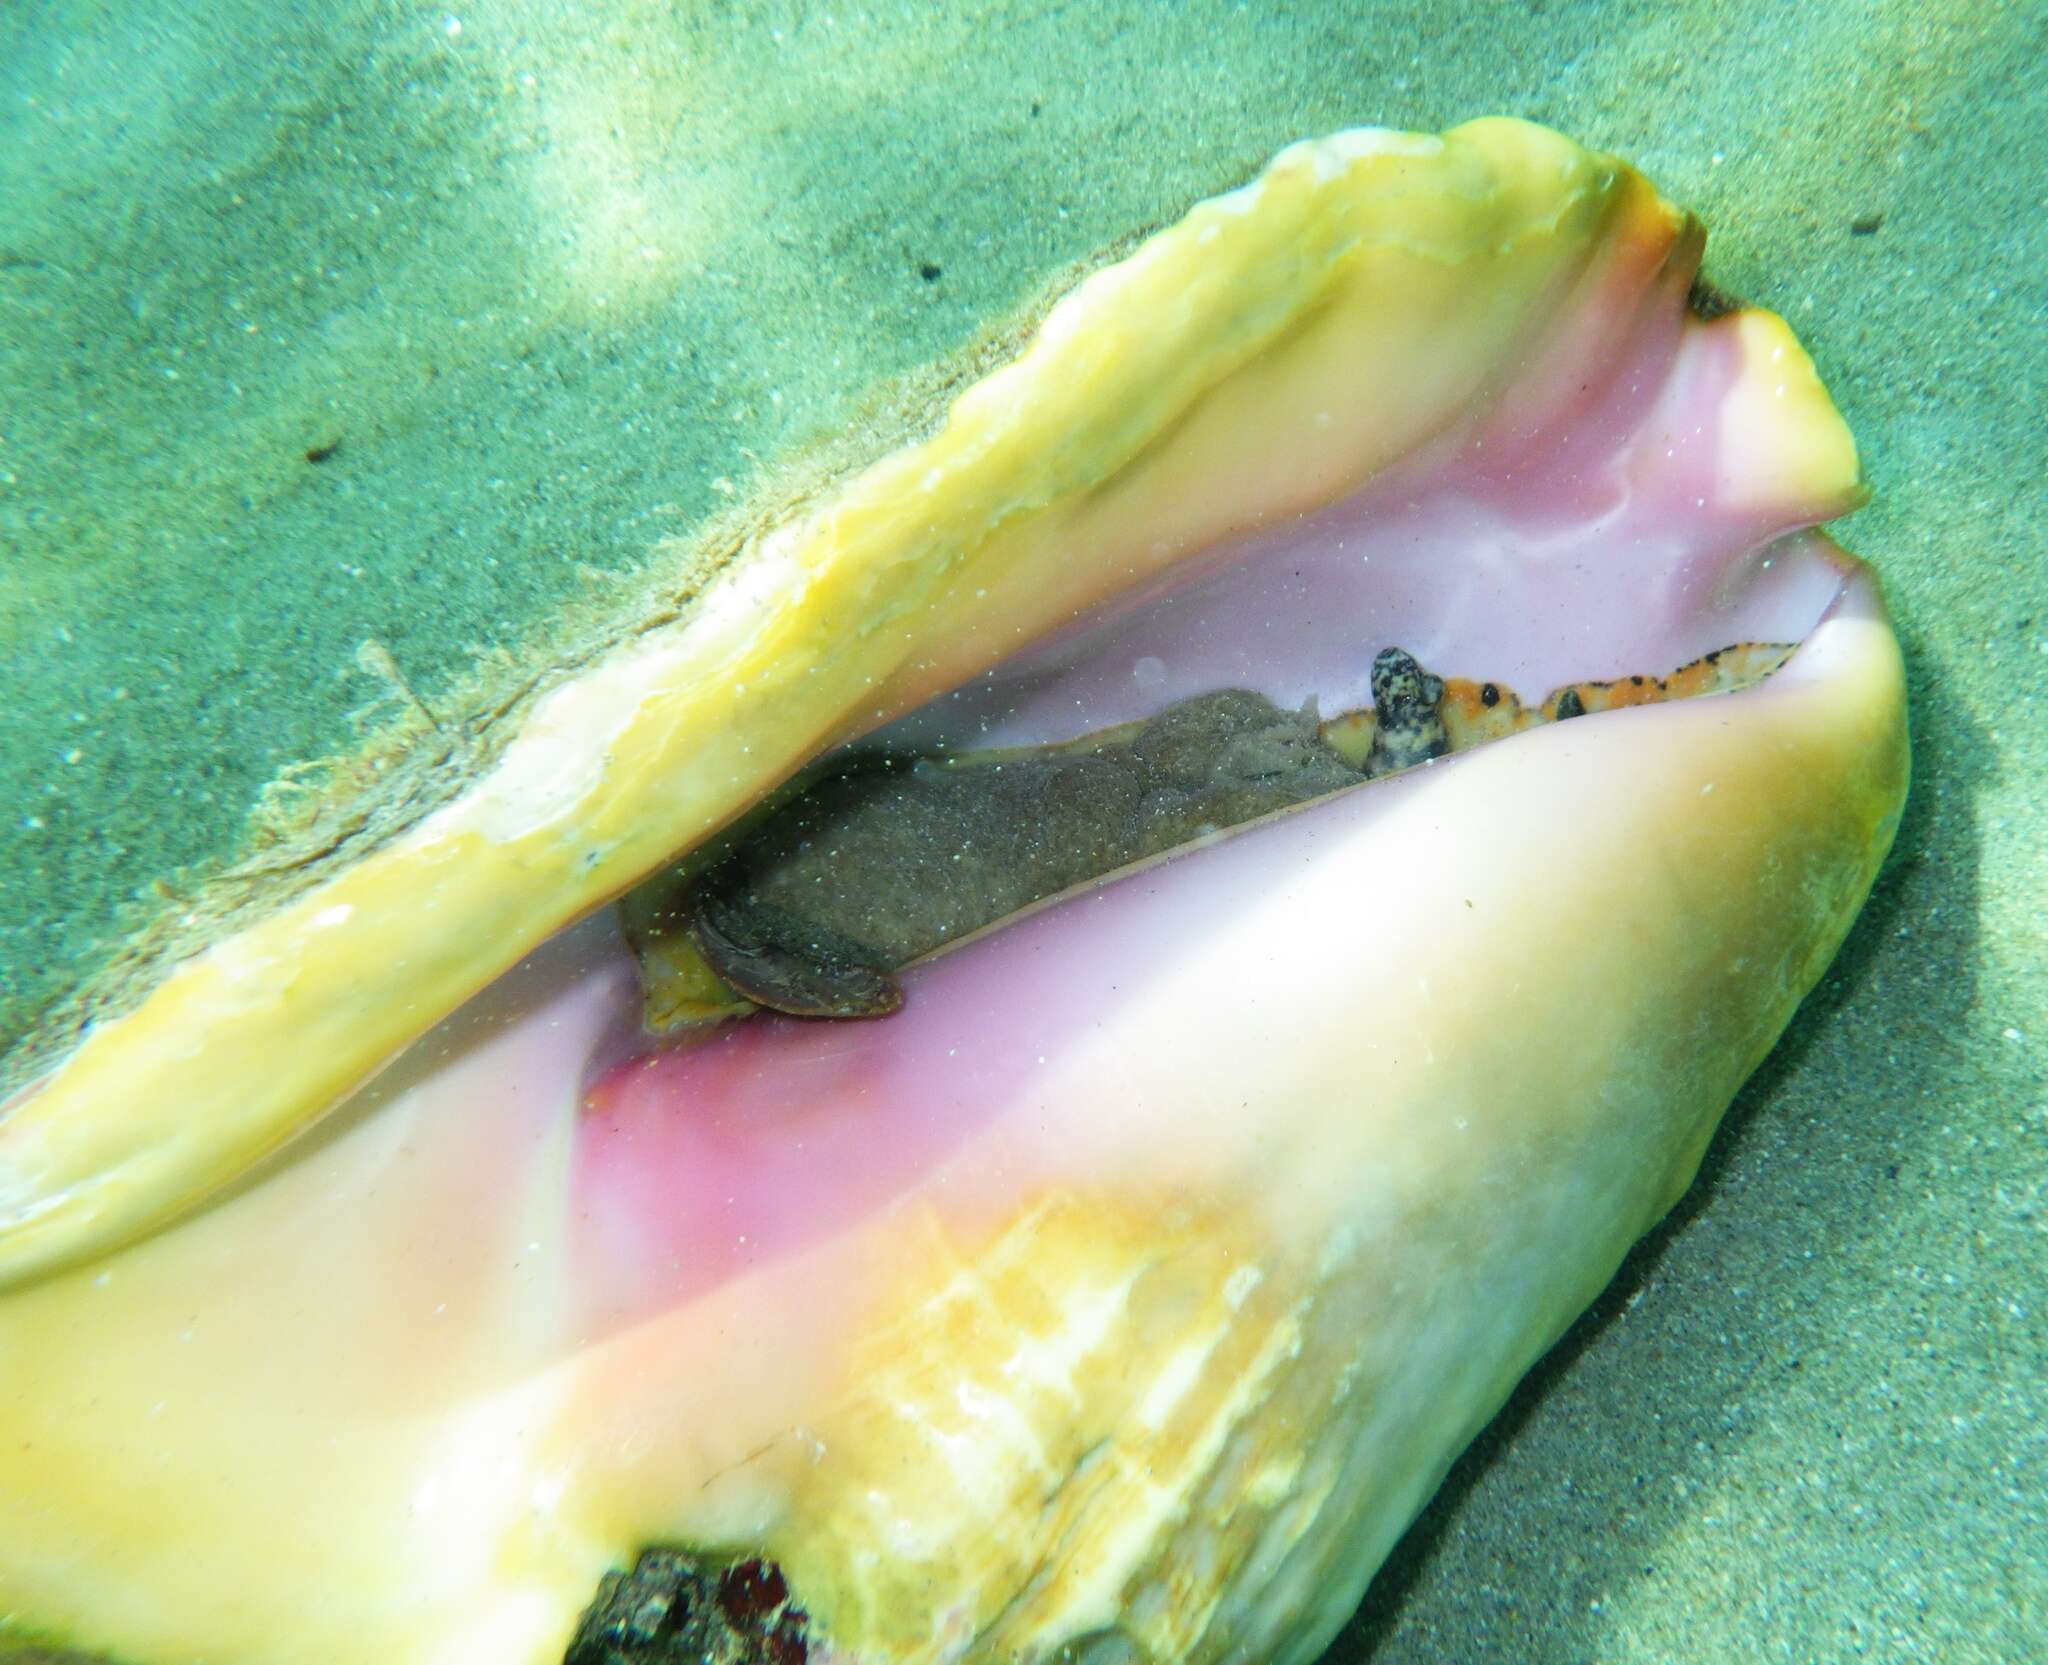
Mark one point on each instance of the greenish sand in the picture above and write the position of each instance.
(540, 285)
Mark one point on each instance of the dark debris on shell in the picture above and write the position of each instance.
(676, 1609)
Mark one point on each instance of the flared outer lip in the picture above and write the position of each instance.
(1583, 1040)
(697, 1164)
(495, 1330)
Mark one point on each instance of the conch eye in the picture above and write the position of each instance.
(991, 1081)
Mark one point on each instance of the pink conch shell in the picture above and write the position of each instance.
(1129, 1291)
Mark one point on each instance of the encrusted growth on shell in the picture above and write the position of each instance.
(675, 1608)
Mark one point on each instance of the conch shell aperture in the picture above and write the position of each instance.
(1129, 1290)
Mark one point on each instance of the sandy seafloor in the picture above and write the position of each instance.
(552, 280)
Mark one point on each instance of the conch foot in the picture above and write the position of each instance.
(875, 865)
(871, 869)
